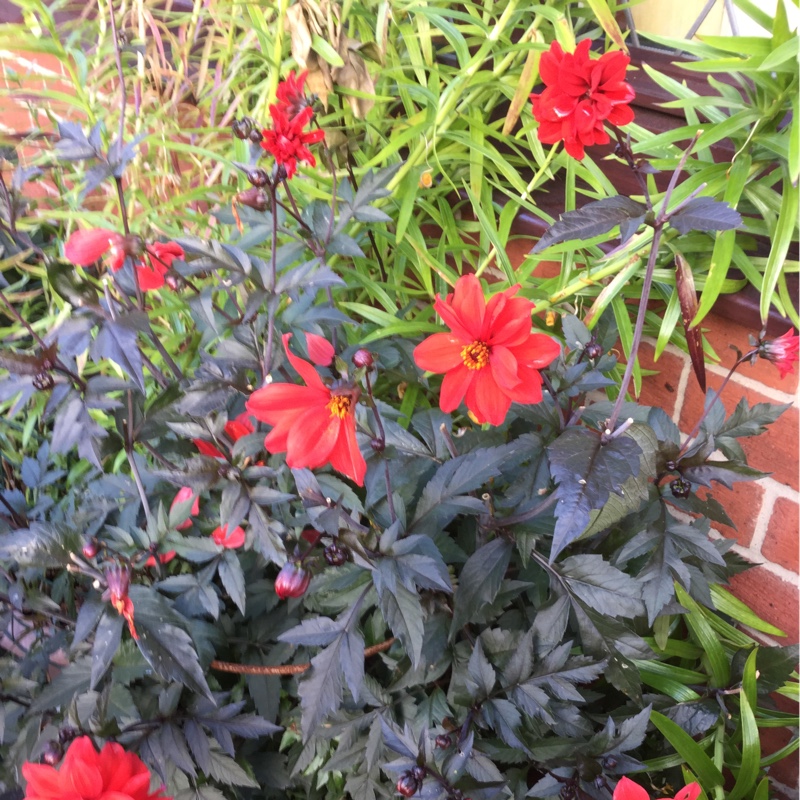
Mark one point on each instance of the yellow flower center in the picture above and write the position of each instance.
(339, 406)
(475, 355)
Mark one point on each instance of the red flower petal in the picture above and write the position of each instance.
(486, 400)
(85, 247)
(454, 387)
(439, 353)
(626, 789)
(320, 350)
(230, 540)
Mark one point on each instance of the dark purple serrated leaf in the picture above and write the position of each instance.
(107, 639)
(198, 743)
(724, 472)
(587, 472)
(479, 581)
(705, 214)
(601, 586)
(173, 743)
(402, 742)
(117, 340)
(316, 632)
(232, 577)
(592, 220)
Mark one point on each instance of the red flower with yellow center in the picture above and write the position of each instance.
(580, 95)
(85, 774)
(490, 358)
(626, 789)
(313, 424)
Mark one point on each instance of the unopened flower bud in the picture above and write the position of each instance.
(419, 773)
(255, 198)
(255, 136)
(442, 741)
(90, 548)
(43, 381)
(363, 358)
(258, 177)
(594, 350)
(52, 753)
(378, 445)
(292, 581)
(407, 785)
(671, 466)
(241, 128)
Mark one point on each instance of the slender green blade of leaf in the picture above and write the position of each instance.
(689, 749)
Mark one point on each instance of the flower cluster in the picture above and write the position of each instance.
(85, 774)
(85, 247)
(580, 95)
(490, 358)
(288, 140)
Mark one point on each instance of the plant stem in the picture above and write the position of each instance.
(504, 522)
(658, 229)
(288, 669)
(707, 409)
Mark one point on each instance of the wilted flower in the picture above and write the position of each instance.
(85, 774)
(490, 358)
(186, 493)
(313, 424)
(118, 579)
(287, 140)
(626, 789)
(230, 540)
(292, 581)
(581, 94)
(782, 352)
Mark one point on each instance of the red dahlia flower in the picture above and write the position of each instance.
(118, 579)
(230, 540)
(782, 352)
(490, 358)
(313, 424)
(85, 774)
(287, 140)
(185, 493)
(580, 95)
(235, 429)
(626, 789)
(291, 93)
(292, 581)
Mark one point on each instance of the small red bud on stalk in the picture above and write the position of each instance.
(681, 488)
(258, 177)
(593, 350)
(52, 753)
(363, 358)
(407, 785)
(90, 548)
(335, 555)
(443, 741)
(292, 581)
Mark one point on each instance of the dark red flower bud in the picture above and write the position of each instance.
(671, 466)
(90, 548)
(443, 741)
(258, 177)
(378, 445)
(292, 581)
(681, 488)
(419, 773)
(52, 753)
(594, 350)
(240, 128)
(67, 734)
(255, 136)
(255, 198)
(407, 785)
(335, 555)
(363, 358)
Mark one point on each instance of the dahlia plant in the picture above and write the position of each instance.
(288, 558)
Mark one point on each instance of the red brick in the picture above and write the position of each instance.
(660, 390)
(773, 599)
(519, 248)
(721, 332)
(775, 451)
(781, 543)
(741, 504)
